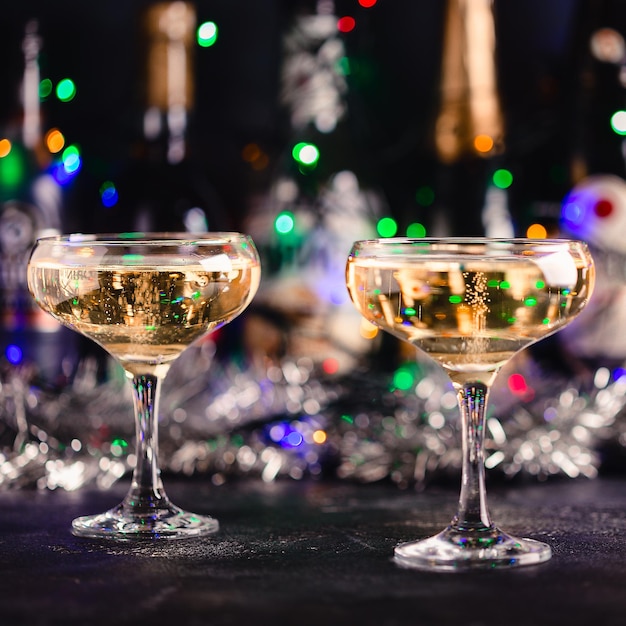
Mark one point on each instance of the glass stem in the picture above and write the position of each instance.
(472, 513)
(146, 490)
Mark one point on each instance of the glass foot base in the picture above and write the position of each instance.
(454, 550)
(165, 522)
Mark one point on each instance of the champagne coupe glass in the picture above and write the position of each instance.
(145, 298)
(470, 304)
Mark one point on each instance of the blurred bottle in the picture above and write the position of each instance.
(469, 130)
(31, 206)
(163, 185)
(321, 200)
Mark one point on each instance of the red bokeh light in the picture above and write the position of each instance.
(330, 366)
(603, 208)
(346, 24)
(517, 384)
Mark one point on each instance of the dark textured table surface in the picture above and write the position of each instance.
(313, 553)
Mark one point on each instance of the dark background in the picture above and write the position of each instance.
(556, 98)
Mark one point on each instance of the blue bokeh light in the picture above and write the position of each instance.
(14, 354)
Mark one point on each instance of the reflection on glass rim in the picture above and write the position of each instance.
(466, 241)
(164, 238)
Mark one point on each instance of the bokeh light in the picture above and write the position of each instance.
(45, 88)
(5, 147)
(286, 434)
(403, 378)
(483, 143)
(502, 178)
(306, 154)
(367, 4)
(66, 90)
(346, 24)
(284, 223)
(71, 159)
(108, 194)
(13, 354)
(206, 34)
(416, 230)
(319, 436)
(603, 207)
(536, 231)
(330, 365)
(425, 195)
(68, 166)
(387, 227)
(54, 140)
(12, 167)
(518, 386)
(618, 122)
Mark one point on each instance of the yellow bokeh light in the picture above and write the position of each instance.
(55, 141)
(483, 143)
(367, 329)
(5, 147)
(536, 231)
(319, 436)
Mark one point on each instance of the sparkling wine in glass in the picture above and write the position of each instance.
(470, 304)
(145, 298)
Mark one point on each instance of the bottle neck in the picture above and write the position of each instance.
(31, 128)
(169, 87)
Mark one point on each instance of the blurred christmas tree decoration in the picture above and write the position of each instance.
(318, 204)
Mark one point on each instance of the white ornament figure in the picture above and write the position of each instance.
(595, 211)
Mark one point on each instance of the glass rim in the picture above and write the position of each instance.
(470, 240)
(147, 238)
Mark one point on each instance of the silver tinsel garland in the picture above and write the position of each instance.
(224, 420)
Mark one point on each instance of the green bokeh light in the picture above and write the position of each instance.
(45, 88)
(71, 158)
(284, 223)
(66, 90)
(618, 122)
(387, 227)
(416, 230)
(425, 195)
(502, 178)
(206, 35)
(13, 169)
(403, 378)
(306, 154)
